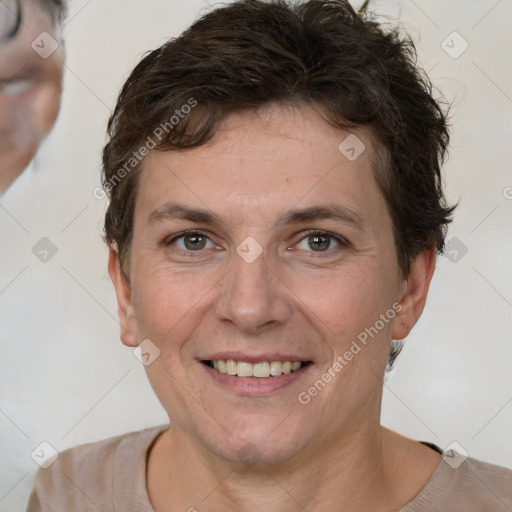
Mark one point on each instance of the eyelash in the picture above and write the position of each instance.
(343, 242)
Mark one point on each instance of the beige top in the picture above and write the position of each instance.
(110, 476)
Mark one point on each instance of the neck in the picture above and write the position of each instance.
(350, 472)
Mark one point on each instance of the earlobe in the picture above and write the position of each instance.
(125, 309)
(414, 293)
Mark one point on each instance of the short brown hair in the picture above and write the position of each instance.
(319, 53)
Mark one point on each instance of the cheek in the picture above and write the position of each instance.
(44, 107)
(18, 141)
(169, 304)
(25, 122)
(346, 302)
(169, 307)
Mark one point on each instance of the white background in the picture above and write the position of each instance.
(65, 377)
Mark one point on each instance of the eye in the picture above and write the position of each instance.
(321, 241)
(192, 241)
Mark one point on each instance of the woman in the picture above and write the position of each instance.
(275, 212)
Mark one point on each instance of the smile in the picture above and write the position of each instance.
(263, 369)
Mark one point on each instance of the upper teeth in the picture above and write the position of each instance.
(263, 369)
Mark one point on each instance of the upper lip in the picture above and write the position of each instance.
(255, 358)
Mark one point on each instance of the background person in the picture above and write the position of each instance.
(31, 60)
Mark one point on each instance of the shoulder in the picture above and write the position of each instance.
(85, 476)
(493, 484)
(471, 486)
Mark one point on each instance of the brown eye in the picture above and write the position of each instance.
(319, 242)
(191, 242)
(194, 242)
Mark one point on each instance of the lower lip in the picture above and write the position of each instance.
(255, 385)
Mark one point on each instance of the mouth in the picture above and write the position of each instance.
(257, 370)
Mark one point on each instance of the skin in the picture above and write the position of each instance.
(331, 454)
(30, 91)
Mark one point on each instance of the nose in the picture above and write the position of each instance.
(253, 297)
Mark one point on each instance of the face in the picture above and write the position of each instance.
(266, 246)
(30, 85)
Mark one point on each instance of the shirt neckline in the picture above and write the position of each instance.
(129, 478)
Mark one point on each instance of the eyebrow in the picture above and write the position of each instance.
(173, 211)
(325, 212)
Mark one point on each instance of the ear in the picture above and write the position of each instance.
(414, 293)
(124, 299)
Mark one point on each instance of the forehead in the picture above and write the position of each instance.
(271, 160)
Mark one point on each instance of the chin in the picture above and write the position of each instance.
(265, 444)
